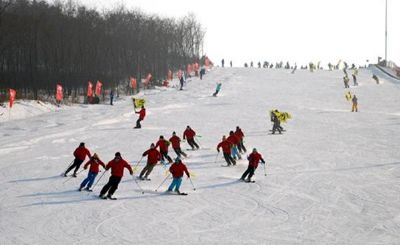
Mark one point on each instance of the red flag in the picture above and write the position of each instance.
(189, 69)
(207, 62)
(147, 80)
(90, 89)
(59, 92)
(98, 88)
(179, 74)
(13, 93)
(169, 75)
(133, 83)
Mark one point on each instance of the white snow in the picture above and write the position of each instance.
(332, 178)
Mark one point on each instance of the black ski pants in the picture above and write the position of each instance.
(77, 163)
(138, 125)
(229, 160)
(179, 152)
(111, 186)
(164, 155)
(250, 172)
(192, 143)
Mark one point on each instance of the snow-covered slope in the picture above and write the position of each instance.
(23, 109)
(332, 177)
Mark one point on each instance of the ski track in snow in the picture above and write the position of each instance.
(332, 176)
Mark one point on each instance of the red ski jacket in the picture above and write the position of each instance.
(232, 138)
(142, 113)
(189, 134)
(226, 146)
(81, 153)
(175, 141)
(117, 167)
(94, 165)
(153, 156)
(177, 170)
(239, 134)
(163, 144)
(254, 159)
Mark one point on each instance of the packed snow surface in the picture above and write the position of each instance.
(332, 178)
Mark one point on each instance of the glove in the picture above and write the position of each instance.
(131, 173)
(85, 168)
(218, 150)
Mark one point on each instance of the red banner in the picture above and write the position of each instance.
(147, 80)
(98, 88)
(189, 69)
(90, 89)
(59, 92)
(133, 83)
(13, 93)
(207, 62)
(169, 75)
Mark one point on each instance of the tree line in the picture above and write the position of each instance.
(42, 44)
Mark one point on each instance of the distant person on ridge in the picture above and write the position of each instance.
(80, 154)
(142, 114)
(222, 62)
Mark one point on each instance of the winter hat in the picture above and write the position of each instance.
(82, 144)
(254, 150)
(117, 154)
(231, 132)
(95, 156)
(152, 145)
(224, 137)
(173, 133)
(161, 137)
(177, 159)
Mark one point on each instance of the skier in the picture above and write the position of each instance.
(80, 154)
(189, 135)
(234, 148)
(117, 166)
(277, 123)
(177, 169)
(375, 78)
(94, 163)
(223, 62)
(111, 97)
(355, 73)
(230, 63)
(142, 114)
(163, 144)
(254, 158)
(346, 81)
(217, 89)
(202, 72)
(355, 104)
(153, 156)
(240, 135)
(226, 150)
(181, 81)
(176, 145)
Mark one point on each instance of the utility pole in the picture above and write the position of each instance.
(386, 61)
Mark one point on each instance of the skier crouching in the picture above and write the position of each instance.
(254, 158)
(177, 169)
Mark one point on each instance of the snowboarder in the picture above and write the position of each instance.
(355, 73)
(234, 148)
(117, 166)
(226, 150)
(80, 154)
(346, 81)
(153, 156)
(276, 121)
(163, 144)
(177, 169)
(240, 135)
(176, 145)
(142, 114)
(355, 104)
(94, 163)
(254, 158)
(111, 97)
(189, 134)
(217, 89)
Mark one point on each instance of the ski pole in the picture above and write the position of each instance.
(67, 167)
(137, 164)
(101, 176)
(265, 171)
(194, 188)
(163, 182)
(70, 177)
(216, 158)
(198, 141)
(137, 183)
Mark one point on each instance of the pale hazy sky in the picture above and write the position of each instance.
(288, 30)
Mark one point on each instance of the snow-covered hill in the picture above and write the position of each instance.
(332, 177)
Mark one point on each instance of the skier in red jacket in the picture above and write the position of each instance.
(226, 150)
(142, 114)
(176, 145)
(254, 158)
(94, 163)
(234, 149)
(240, 135)
(163, 144)
(153, 156)
(189, 134)
(117, 166)
(80, 154)
(177, 169)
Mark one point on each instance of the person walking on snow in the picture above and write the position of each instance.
(80, 154)
(217, 89)
(177, 169)
(234, 149)
(176, 145)
(111, 97)
(355, 73)
(189, 134)
(117, 166)
(94, 163)
(240, 135)
(153, 156)
(163, 144)
(226, 150)
(142, 114)
(355, 104)
(181, 81)
(254, 158)
(346, 81)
